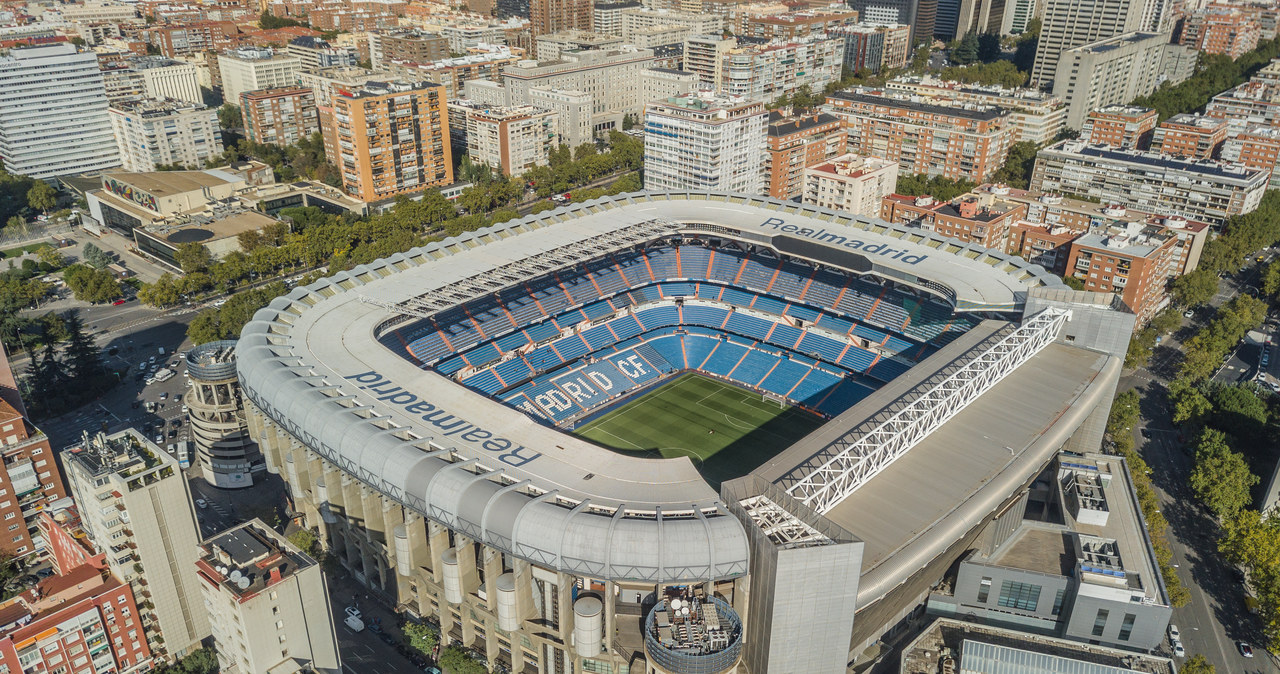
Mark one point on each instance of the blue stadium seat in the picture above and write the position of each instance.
(784, 335)
(784, 377)
(725, 356)
(753, 368)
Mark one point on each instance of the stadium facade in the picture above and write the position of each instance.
(418, 406)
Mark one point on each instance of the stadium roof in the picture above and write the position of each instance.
(312, 362)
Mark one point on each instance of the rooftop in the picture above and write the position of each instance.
(152, 107)
(881, 98)
(1120, 110)
(1113, 43)
(126, 453)
(248, 558)
(1204, 167)
(162, 184)
(780, 125)
(992, 650)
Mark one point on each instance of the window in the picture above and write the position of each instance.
(1022, 596)
(1126, 627)
(1100, 622)
(984, 591)
(1057, 601)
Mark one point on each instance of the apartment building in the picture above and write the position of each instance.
(1117, 70)
(393, 139)
(661, 83)
(154, 77)
(1251, 104)
(53, 113)
(795, 25)
(251, 69)
(704, 55)
(1036, 116)
(268, 603)
(607, 16)
(453, 73)
(919, 15)
(1190, 135)
(767, 72)
(1044, 244)
(553, 16)
(551, 45)
(1220, 29)
(1132, 261)
(634, 20)
(1068, 24)
(151, 133)
(1203, 190)
(314, 53)
(192, 38)
(1126, 127)
(794, 144)
(281, 116)
(1258, 147)
(704, 143)
(136, 508)
(610, 76)
(982, 217)
(572, 110)
(85, 620)
(511, 140)
(957, 142)
(30, 481)
(325, 84)
(850, 183)
(872, 47)
(411, 46)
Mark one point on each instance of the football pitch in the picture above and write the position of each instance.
(726, 430)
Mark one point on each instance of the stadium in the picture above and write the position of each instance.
(680, 432)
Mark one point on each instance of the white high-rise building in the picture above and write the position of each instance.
(705, 143)
(152, 133)
(851, 183)
(166, 78)
(1072, 23)
(251, 69)
(268, 604)
(53, 113)
(135, 505)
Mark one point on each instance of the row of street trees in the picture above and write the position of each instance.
(60, 379)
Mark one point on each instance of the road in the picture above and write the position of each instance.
(1216, 617)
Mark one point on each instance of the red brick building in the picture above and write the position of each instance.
(66, 543)
(1046, 245)
(956, 142)
(1132, 261)
(1190, 135)
(1122, 126)
(29, 481)
(280, 116)
(796, 143)
(1221, 29)
(192, 38)
(981, 218)
(67, 622)
(1257, 148)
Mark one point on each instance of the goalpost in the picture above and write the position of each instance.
(766, 397)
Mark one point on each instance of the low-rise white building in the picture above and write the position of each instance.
(851, 183)
(251, 69)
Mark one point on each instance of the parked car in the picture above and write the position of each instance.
(1245, 649)
(1179, 650)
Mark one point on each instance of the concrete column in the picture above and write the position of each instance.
(372, 505)
(467, 564)
(438, 539)
(564, 597)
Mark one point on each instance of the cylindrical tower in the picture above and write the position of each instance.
(227, 455)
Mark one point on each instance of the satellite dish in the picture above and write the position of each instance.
(236, 575)
(675, 604)
(243, 583)
(222, 570)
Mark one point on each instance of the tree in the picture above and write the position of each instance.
(1024, 54)
(1217, 73)
(1189, 404)
(16, 223)
(269, 21)
(920, 60)
(192, 257)
(42, 197)
(1018, 165)
(92, 285)
(966, 51)
(942, 189)
(96, 257)
(421, 637)
(229, 116)
(162, 293)
(50, 256)
(1073, 282)
(989, 49)
(1196, 288)
(201, 661)
(457, 661)
(81, 355)
(998, 73)
(1221, 478)
(1198, 664)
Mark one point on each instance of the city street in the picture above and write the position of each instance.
(1216, 617)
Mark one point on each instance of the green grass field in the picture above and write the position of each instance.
(727, 431)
